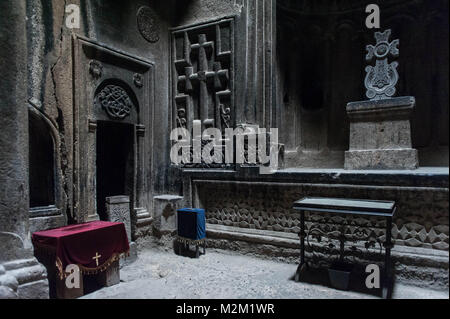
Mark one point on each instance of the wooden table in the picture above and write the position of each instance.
(376, 208)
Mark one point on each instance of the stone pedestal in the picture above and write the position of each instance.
(118, 210)
(110, 276)
(380, 134)
(165, 208)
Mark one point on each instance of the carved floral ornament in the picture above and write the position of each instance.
(147, 23)
(115, 101)
(382, 78)
(95, 68)
(138, 80)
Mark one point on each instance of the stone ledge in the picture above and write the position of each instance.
(33, 290)
(418, 178)
(421, 266)
(143, 218)
(383, 105)
(291, 240)
(382, 159)
(25, 278)
(168, 198)
(46, 222)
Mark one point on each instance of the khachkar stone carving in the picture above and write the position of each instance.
(115, 101)
(147, 24)
(381, 79)
(380, 131)
(118, 210)
(202, 62)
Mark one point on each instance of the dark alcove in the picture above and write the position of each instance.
(41, 163)
(115, 162)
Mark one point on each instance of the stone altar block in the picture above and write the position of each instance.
(118, 210)
(380, 134)
(165, 208)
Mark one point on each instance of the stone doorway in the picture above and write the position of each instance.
(115, 162)
(113, 94)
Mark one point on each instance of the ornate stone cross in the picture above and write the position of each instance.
(381, 79)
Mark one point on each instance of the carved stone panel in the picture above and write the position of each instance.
(118, 210)
(421, 219)
(147, 24)
(115, 101)
(202, 68)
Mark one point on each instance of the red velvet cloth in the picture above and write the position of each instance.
(79, 244)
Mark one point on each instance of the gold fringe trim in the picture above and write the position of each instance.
(91, 271)
(184, 240)
(61, 273)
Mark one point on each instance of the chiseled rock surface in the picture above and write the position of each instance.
(221, 274)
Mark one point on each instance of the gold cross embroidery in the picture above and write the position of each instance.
(96, 257)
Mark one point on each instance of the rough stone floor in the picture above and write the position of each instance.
(161, 274)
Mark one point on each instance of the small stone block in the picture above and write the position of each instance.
(165, 207)
(110, 276)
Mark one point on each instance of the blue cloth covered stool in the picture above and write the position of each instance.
(191, 227)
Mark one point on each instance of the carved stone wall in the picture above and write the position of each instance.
(421, 219)
(203, 72)
(202, 64)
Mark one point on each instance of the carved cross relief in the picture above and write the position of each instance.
(202, 68)
(202, 63)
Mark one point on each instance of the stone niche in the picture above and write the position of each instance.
(380, 134)
(113, 114)
(45, 180)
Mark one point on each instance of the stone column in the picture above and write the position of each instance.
(90, 159)
(21, 276)
(256, 64)
(14, 193)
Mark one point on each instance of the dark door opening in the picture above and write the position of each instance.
(115, 162)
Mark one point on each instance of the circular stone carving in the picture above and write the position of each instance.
(148, 24)
(115, 101)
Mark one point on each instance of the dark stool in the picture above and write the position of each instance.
(191, 229)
